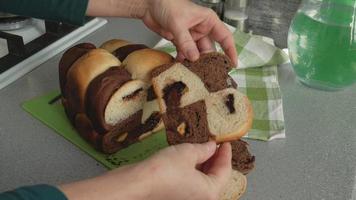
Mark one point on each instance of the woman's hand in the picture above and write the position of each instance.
(185, 171)
(189, 171)
(190, 27)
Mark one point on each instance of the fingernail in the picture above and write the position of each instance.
(211, 146)
(193, 55)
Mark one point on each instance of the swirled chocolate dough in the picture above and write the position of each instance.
(150, 123)
(229, 102)
(211, 68)
(122, 52)
(86, 131)
(173, 93)
(151, 94)
(132, 95)
(187, 124)
(112, 141)
(99, 92)
(242, 160)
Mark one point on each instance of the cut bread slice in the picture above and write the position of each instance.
(242, 160)
(195, 110)
(100, 91)
(235, 188)
(67, 60)
(229, 114)
(84, 70)
(130, 96)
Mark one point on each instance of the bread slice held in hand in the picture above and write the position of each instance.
(199, 101)
(242, 163)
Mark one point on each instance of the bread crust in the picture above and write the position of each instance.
(122, 52)
(236, 186)
(140, 63)
(114, 44)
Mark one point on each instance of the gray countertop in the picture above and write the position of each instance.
(317, 160)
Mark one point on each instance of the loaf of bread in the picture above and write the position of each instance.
(107, 95)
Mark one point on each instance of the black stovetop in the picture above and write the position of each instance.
(18, 51)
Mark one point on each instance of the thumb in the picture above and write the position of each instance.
(196, 153)
(220, 166)
(185, 43)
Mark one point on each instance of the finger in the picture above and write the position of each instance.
(166, 34)
(205, 45)
(151, 23)
(220, 166)
(223, 36)
(196, 35)
(195, 154)
(154, 26)
(185, 43)
(180, 57)
(204, 151)
(207, 165)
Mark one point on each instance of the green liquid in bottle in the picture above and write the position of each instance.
(323, 55)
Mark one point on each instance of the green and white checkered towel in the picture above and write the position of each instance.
(257, 77)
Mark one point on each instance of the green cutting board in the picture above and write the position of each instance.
(48, 109)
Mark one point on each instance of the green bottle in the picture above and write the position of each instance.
(322, 43)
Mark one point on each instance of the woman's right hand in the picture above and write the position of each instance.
(185, 171)
(189, 171)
